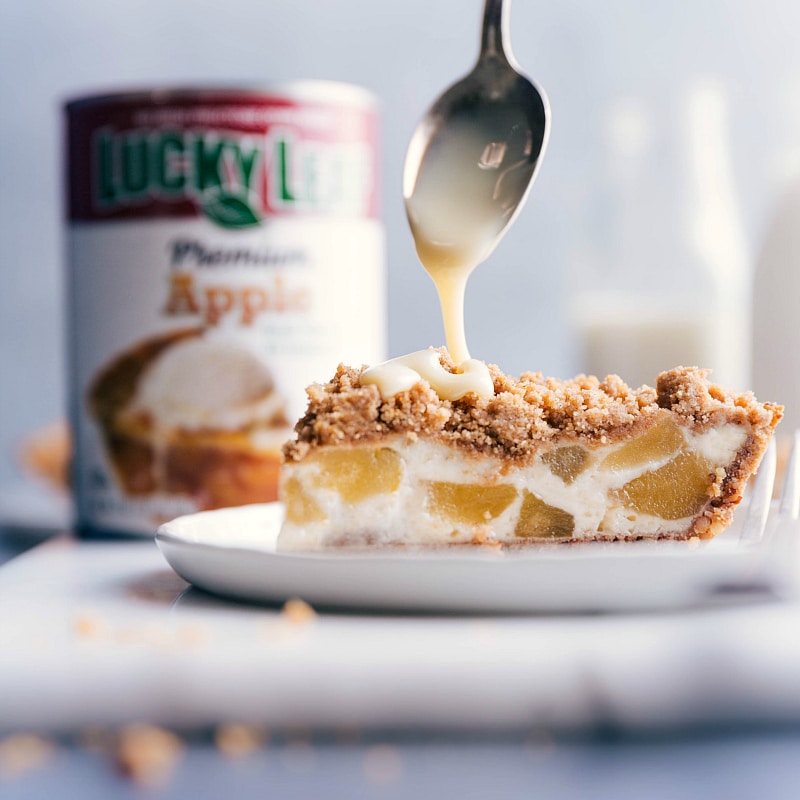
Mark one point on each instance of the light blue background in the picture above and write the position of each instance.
(587, 54)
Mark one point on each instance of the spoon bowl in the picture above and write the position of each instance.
(473, 158)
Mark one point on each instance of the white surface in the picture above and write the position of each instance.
(231, 552)
(100, 633)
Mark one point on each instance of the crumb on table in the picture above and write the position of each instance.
(22, 752)
(148, 754)
(237, 740)
(298, 612)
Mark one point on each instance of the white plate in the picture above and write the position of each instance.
(231, 552)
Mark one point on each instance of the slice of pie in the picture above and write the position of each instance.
(191, 413)
(537, 460)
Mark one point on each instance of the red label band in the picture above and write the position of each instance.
(235, 159)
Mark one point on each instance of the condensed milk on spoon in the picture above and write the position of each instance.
(458, 208)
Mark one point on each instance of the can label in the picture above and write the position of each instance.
(224, 252)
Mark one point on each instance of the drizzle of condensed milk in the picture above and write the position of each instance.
(459, 201)
(400, 374)
(461, 194)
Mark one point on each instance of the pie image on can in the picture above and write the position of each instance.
(194, 415)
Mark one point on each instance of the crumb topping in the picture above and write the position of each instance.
(523, 415)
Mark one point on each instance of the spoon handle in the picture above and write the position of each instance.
(494, 37)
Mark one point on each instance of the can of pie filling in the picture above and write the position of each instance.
(224, 251)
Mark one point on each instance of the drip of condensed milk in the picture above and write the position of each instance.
(461, 194)
(460, 200)
(400, 374)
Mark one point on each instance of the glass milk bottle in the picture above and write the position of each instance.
(776, 309)
(668, 284)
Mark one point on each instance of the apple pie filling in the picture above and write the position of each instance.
(427, 492)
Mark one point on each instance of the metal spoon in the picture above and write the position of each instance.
(472, 160)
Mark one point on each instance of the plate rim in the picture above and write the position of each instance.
(478, 581)
(538, 551)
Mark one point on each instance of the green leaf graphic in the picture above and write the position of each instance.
(229, 211)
